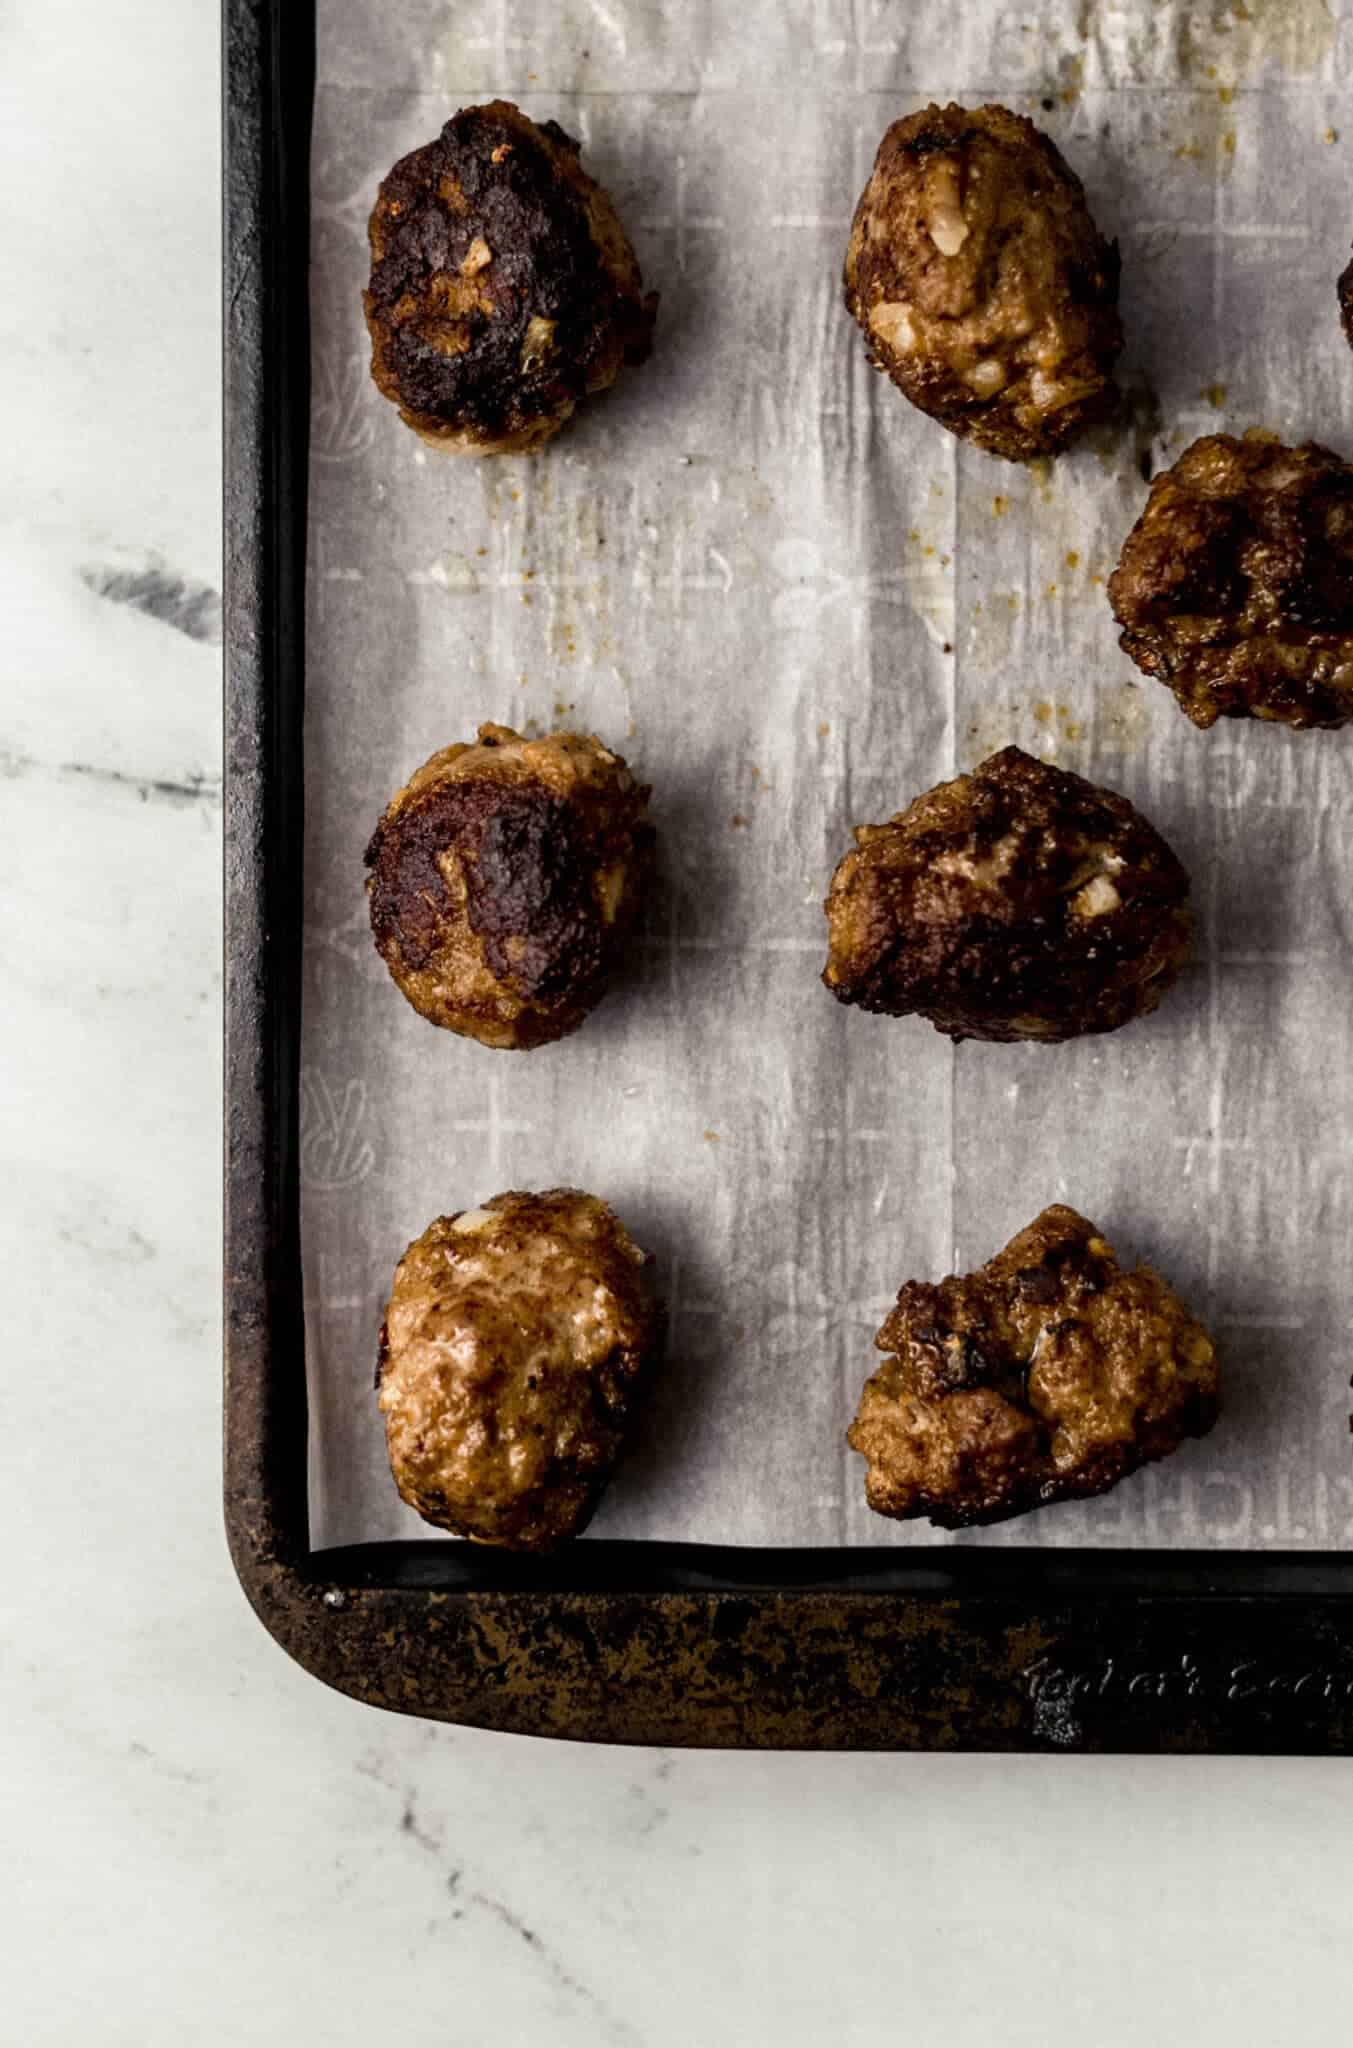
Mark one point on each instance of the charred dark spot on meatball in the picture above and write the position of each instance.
(959, 1360)
(1037, 1283)
(1306, 551)
(1193, 566)
(530, 891)
(519, 1339)
(926, 140)
(499, 899)
(526, 864)
(1018, 902)
(1049, 1374)
(528, 871)
(981, 283)
(409, 899)
(502, 287)
(1235, 586)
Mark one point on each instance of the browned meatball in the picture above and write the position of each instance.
(514, 1343)
(983, 286)
(503, 287)
(505, 878)
(1020, 901)
(1235, 587)
(1049, 1374)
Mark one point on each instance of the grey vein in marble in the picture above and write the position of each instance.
(193, 787)
(616, 2029)
(178, 601)
(430, 1839)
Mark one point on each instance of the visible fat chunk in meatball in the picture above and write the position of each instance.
(503, 287)
(1235, 587)
(1049, 1374)
(504, 881)
(515, 1341)
(1018, 902)
(983, 286)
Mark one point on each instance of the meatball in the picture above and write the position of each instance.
(1020, 901)
(505, 878)
(503, 287)
(983, 286)
(514, 1343)
(1049, 1374)
(1235, 587)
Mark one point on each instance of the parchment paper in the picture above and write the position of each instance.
(793, 602)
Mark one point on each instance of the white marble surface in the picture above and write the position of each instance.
(202, 1845)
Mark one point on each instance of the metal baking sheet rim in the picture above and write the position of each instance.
(636, 1643)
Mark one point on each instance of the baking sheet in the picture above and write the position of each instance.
(793, 602)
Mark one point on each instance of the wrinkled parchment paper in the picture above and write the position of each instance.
(793, 602)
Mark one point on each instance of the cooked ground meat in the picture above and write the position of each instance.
(1049, 1374)
(514, 1343)
(504, 881)
(983, 286)
(1020, 901)
(1235, 587)
(503, 287)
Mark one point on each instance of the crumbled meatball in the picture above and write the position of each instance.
(1020, 901)
(503, 287)
(505, 878)
(983, 286)
(1235, 587)
(1049, 1374)
(514, 1343)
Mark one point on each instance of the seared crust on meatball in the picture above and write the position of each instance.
(983, 286)
(505, 878)
(1047, 1375)
(503, 287)
(1235, 587)
(514, 1343)
(1020, 901)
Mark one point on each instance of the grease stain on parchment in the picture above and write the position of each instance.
(1221, 42)
(1236, 39)
(1118, 722)
(1059, 721)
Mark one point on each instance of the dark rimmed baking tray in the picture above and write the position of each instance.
(621, 1642)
